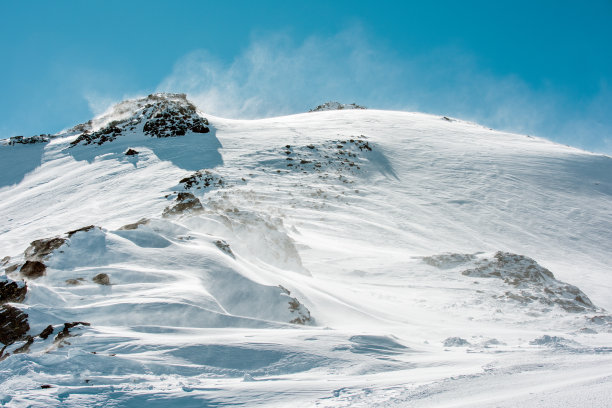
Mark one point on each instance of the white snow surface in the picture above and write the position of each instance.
(186, 322)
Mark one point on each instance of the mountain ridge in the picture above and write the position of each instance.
(362, 247)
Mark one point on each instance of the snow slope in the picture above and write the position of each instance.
(334, 258)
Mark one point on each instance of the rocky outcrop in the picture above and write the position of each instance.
(301, 313)
(527, 282)
(129, 227)
(202, 179)
(102, 279)
(184, 203)
(32, 269)
(44, 138)
(13, 324)
(327, 106)
(12, 291)
(38, 250)
(533, 283)
(41, 248)
(160, 115)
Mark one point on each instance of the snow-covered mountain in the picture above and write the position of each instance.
(158, 255)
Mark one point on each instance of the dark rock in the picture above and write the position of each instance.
(66, 330)
(13, 324)
(185, 202)
(11, 291)
(42, 247)
(142, 221)
(131, 152)
(26, 347)
(102, 279)
(33, 269)
(45, 386)
(29, 140)
(46, 332)
(82, 229)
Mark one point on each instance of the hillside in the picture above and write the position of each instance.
(337, 258)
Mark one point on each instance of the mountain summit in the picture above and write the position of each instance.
(407, 259)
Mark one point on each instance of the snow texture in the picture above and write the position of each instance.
(347, 257)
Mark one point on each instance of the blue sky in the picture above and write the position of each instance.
(543, 69)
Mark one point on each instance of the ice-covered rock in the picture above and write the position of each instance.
(332, 105)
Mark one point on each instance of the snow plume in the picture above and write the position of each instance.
(275, 76)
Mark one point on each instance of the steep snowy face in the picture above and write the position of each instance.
(156, 250)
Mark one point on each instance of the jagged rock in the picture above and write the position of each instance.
(13, 324)
(47, 331)
(185, 202)
(202, 179)
(131, 152)
(531, 281)
(44, 138)
(42, 247)
(336, 106)
(66, 331)
(161, 115)
(224, 246)
(301, 312)
(12, 291)
(102, 279)
(456, 342)
(33, 269)
(142, 221)
(5, 260)
(26, 347)
(82, 229)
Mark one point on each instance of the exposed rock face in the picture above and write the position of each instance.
(40, 248)
(202, 179)
(535, 283)
(82, 229)
(33, 269)
(44, 138)
(302, 314)
(142, 221)
(160, 115)
(185, 202)
(12, 291)
(13, 324)
(336, 106)
(65, 333)
(131, 152)
(338, 156)
(102, 279)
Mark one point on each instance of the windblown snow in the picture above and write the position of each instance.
(343, 257)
